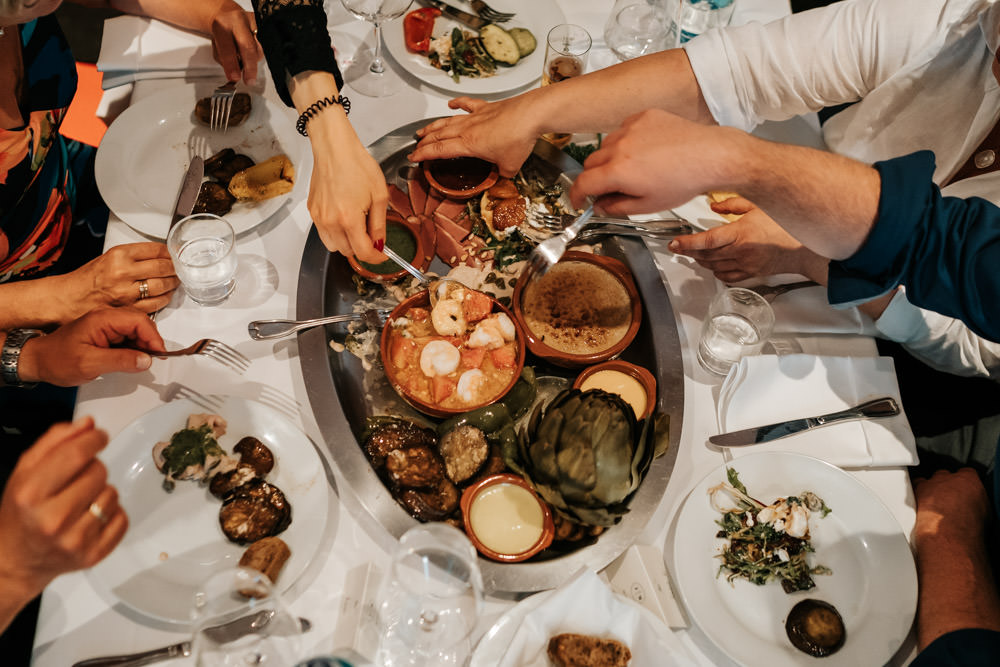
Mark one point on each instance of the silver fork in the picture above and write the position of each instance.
(771, 292)
(591, 233)
(222, 105)
(547, 253)
(489, 13)
(558, 221)
(272, 329)
(213, 349)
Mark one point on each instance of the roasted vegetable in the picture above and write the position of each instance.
(526, 42)
(499, 44)
(585, 454)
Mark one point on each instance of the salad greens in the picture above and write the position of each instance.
(767, 542)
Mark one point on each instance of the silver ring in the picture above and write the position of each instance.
(144, 290)
(98, 512)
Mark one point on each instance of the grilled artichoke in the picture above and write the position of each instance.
(584, 454)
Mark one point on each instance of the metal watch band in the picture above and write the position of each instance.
(11, 356)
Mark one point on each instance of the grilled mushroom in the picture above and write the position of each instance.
(815, 627)
(253, 511)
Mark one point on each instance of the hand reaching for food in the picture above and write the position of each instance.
(752, 246)
(58, 513)
(234, 43)
(497, 132)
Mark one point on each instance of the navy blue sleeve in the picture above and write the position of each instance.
(962, 648)
(944, 250)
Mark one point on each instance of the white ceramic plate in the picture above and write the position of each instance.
(538, 16)
(145, 153)
(174, 541)
(874, 580)
(494, 644)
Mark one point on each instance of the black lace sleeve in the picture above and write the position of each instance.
(295, 39)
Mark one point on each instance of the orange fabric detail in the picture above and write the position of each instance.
(81, 122)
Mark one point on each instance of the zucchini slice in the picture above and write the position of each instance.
(525, 41)
(499, 44)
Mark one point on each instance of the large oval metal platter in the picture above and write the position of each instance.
(343, 393)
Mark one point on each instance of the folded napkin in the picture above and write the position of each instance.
(585, 605)
(766, 389)
(136, 47)
(807, 310)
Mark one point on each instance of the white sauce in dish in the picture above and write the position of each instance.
(623, 384)
(506, 518)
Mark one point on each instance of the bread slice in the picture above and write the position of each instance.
(572, 650)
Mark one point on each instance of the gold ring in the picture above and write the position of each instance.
(98, 512)
(144, 290)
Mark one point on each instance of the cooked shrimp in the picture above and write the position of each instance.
(469, 384)
(439, 357)
(505, 326)
(492, 332)
(448, 317)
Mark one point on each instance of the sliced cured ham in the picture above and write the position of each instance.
(434, 200)
(454, 210)
(428, 235)
(399, 201)
(455, 230)
(418, 188)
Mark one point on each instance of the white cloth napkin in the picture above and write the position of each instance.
(585, 605)
(136, 47)
(766, 389)
(806, 310)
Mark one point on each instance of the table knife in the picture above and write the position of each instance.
(471, 20)
(190, 187)
(875, 409)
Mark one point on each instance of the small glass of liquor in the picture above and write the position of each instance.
(566, 52)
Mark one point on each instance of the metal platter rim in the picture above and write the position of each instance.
(374, 498)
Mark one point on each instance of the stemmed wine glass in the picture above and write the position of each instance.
(239, 619)
(430, 600)
(378, 80)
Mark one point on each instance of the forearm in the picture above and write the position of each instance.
(188, 14)
(33, 304)
(15, 594)
(601, 100)
(328, 126)
(826, 201)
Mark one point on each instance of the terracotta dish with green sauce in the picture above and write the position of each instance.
(404, 240)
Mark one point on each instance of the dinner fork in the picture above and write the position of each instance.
(770, 292)
(547, 253)
(272, 329)
(489, 13)
(222, 105)
(559, 221)
(591, 233)
(213, 349)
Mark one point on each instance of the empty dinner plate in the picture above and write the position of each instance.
(873, 583)
(174, 541)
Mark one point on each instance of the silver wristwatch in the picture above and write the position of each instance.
(11, 355)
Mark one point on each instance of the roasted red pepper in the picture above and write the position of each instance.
(418, 27)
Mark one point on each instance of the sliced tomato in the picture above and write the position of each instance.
(403, 352)
(442, 387)
(418, 27)
(472, 357)
(504, 357)
(476, 305)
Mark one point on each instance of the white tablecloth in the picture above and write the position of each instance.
(75, 623)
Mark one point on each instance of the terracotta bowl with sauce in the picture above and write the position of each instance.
(460, 177)
(633, 383)
(585, 310)
(403, 369)
(505, 519)
(404, 238)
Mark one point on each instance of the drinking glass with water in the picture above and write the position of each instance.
(203, 249)
(738, 324)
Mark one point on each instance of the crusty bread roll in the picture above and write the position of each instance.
(267, 555)
(716, 196)
(572, 650)
(270, 178)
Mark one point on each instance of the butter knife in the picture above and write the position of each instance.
(875, 409)
(190, 187)
(471, 20)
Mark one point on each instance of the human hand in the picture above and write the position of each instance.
(102, 341)
(114, 279)
(493, 131)
(950, 504)
(234, 43)
(752, 246)
(348, 195)
(57, 513)
(655, 161)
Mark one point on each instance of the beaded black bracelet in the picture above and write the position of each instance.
(318, 106)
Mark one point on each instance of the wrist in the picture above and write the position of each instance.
(19, 359)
